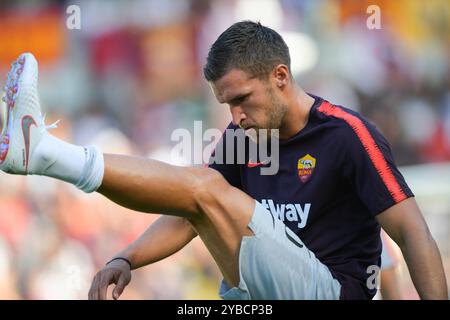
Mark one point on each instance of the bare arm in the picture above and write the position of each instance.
(404, 223)
(163, 238)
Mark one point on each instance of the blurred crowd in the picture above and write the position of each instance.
(133, 73)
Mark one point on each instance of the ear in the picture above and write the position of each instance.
(281, 75)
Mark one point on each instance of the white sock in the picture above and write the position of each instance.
(81, 166)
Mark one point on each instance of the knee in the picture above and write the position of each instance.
(210, 187)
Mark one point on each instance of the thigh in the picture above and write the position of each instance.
(222, 221)
(275, 264)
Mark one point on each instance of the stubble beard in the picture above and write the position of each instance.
(275, 117)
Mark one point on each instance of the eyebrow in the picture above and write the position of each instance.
(238, 97)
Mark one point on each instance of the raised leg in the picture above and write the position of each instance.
(218, 212)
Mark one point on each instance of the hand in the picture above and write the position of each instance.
(117, 272)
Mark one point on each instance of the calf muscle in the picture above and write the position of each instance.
(150, 186)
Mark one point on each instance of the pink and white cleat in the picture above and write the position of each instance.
(24, 125)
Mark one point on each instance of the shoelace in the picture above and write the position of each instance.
(54, 125)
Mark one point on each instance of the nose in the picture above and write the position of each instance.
(237, 114)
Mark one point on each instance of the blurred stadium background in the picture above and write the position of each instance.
(133, 73)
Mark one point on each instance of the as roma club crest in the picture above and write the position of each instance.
(306, 167)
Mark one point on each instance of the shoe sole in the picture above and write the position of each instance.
(18, 80)
(11, 88)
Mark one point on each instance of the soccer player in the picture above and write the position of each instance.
(312, 231)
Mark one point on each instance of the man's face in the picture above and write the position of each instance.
(254, 103)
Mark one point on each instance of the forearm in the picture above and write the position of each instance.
(405, 224)
(425, 265)
(163, 238)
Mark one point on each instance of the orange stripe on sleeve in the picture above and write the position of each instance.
(370, 146)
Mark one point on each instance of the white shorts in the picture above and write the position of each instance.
(275, 264)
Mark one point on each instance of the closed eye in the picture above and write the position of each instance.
(239, 99)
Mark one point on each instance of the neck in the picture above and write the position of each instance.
(297, 113)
